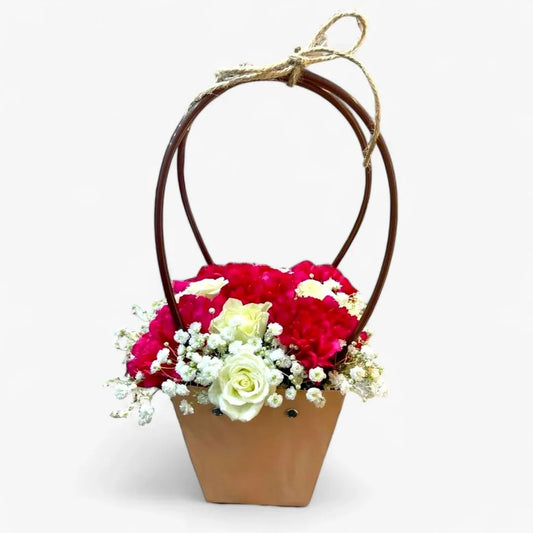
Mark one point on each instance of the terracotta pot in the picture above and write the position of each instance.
(272, 460)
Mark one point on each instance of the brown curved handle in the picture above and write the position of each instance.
(343, 101)
(180, 164)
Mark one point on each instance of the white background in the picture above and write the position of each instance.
(90, 93)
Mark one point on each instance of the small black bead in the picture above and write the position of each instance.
(291, 413)
(216, 411)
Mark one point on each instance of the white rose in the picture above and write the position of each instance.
(313, 288)
(205, 287)
(242, 386)
(246, 321)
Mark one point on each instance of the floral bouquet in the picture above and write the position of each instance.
(253, 337)
(257, 360)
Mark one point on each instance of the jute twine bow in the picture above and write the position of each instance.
(317, 52)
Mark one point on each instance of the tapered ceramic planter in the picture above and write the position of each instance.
(274, 459)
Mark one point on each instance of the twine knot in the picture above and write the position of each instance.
(298, 65)
(292, 68)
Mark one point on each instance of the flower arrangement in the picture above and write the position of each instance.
(253, 336)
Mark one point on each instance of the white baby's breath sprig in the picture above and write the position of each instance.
(202, 397)
(125, 339)
(275, 400)
(290, 393)
(169, 388)
(122, 386)
(317, 374)
(360, 373)
(186, 408)
(315, 396)
(181, 337)
(276, 377)
(273, 331)
(146, 412)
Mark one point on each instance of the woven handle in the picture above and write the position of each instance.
(350, 109)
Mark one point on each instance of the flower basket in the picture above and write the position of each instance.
(257, 359)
